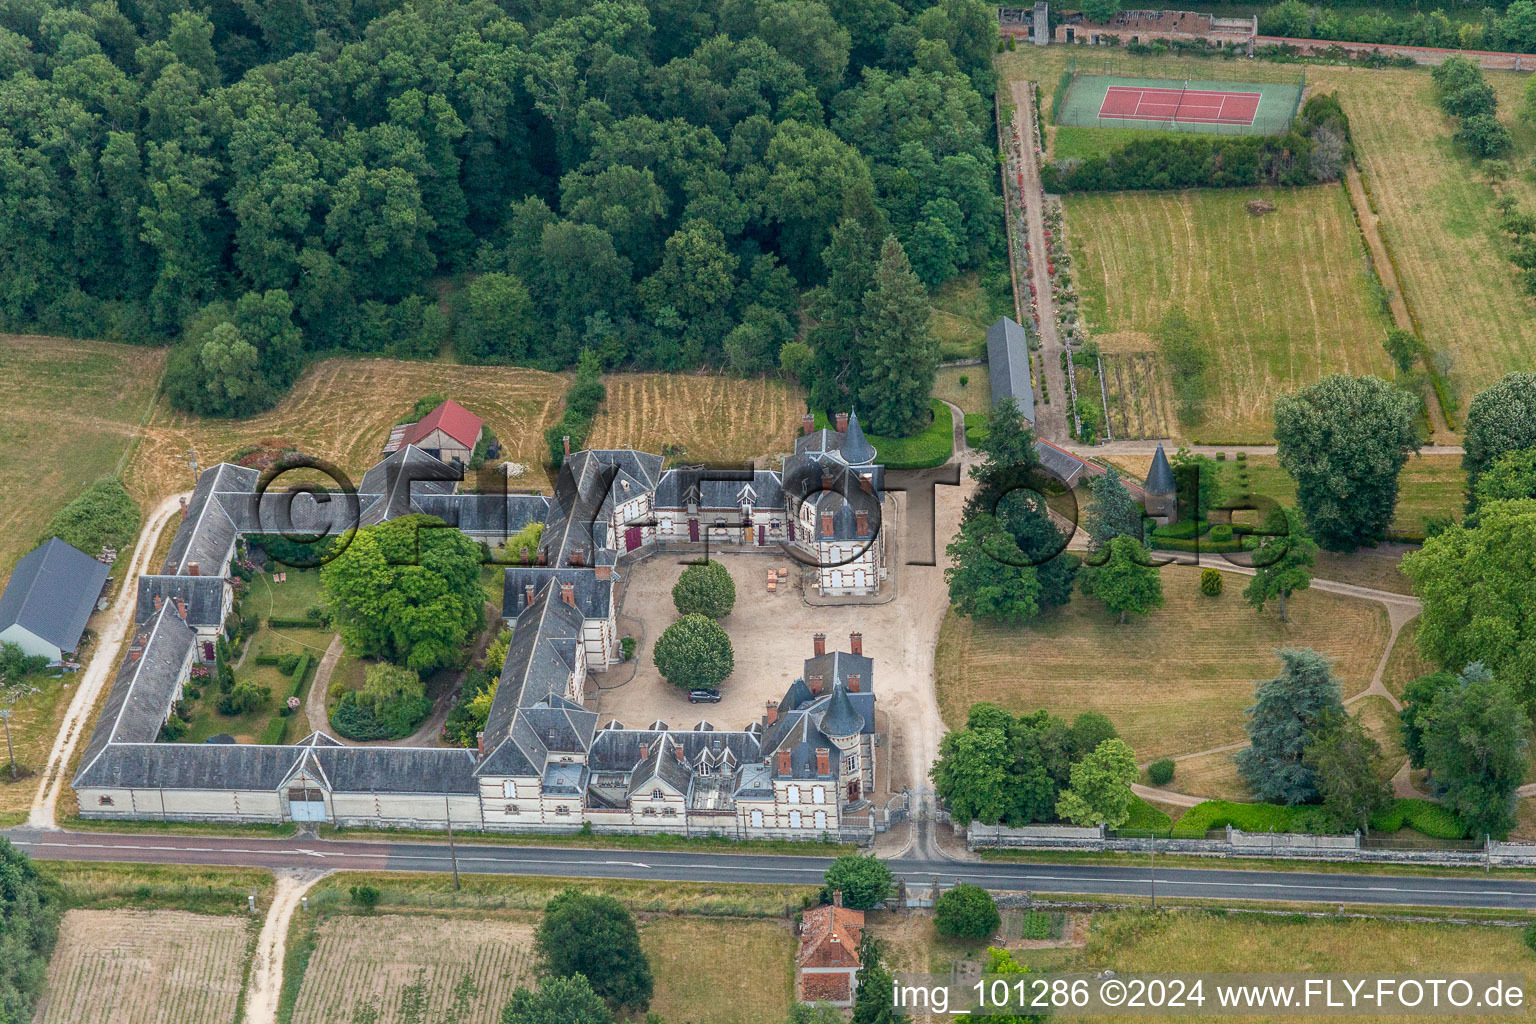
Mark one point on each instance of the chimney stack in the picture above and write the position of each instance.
(785, 768)
(603, 572)
(645, 751)
(856, 643)
(568, 593)
(861, 522)
(814, 682)
(193, 569)
(837, 897)
(528, 593)
(181, 608)
(823, 761)
(183, 508)
(480, 743)
(678, 750)
(158, 600)
(826, 524)
(866, 483)
(819, 644)
(842, 422)
(771, 715)
(855, 681)
(827, 480)
(807, 424)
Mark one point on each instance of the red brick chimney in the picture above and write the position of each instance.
(181, 608)
(568, 593)
(193, 569)
(842, 422)
(826, 524)
(480, 743)
(814, 682)
(183, 508)
(856, 643)
(603, 572)
(807, 424)
(785, 768)
(823, 761)
(528, 593)
(819, 644)
(866, 483)
(771, 714)
(827, 480)
(855, 680)
(837, 898)
(645, 751)
(566, 442)
(861, 522)
(678, 750)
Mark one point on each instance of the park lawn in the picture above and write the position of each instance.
(1193, 941)
(1405, 664)
(1079, 142)
(1213, 775)
(290, 599)
(1380, 720)
(961, 312)
(709, 417)
(930, 446)
(975, 396)
(1278, 301)
(1174, 683)
(1436, 212)
(72, 409)
(763, 989)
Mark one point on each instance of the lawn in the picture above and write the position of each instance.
(1278, 300)
(761, 992)
(1174, 683)
(1436, 212)
(34, 723)
(931, 446)
(1405, 664)
(711, 417)
(72, 409)
(975, 396)
(962, 310)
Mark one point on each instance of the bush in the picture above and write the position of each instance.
(103, 515)
(243, 698)
(1423, 816)
(1161, 771)
(365, 896)
(865, 881)
(30, 906)
(694, 652)
(1216, 814)
(394, 698)
(354, 722)
(173, 730)
(627, 648)
(1210, 582)
(1221, 533)
(966, 912)
(287, 663)
(705, 589)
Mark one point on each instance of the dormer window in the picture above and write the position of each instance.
(656, 794)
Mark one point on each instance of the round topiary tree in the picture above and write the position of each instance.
(705, 588)
(966, 912)
(694, 652)
(1161, 771)
(1210, 582)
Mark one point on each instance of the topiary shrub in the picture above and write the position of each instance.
(1210, 582)
(705, 588)
(694, 652)
(1221, 533)
(966, 912)
(1161, 771)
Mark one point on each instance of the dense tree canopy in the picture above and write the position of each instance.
(865, 881)
(1009, 769)
(29, 925)
(694, 652)
(103, 514)
(594, 936)
(1474, 735)
(1099, 791)
(705, 589)
(966, 912)
(1126, 580)
(1500, 419)
(1282, 561)
(642, 179)
(1344, 440)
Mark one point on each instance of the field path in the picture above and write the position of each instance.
(1051, 418)
(314, 703)
(266, 982)
(1370, 227)
(96, 675)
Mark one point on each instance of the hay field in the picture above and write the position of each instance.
(713, 417)
(145, 967)
(690, 988)
(1436, 213)
(341, 410)
(71, 410)
(414, 968)
(1278, 300)
(1174, 683)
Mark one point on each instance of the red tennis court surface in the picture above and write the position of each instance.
(1132, 103)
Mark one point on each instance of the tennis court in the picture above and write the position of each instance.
(1202, 106)
(1222, 108)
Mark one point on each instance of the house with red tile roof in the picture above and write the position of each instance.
(449, 432)
(827, 964)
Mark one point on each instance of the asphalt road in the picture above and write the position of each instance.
(1493, 891)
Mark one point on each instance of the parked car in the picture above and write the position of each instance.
(703, 696)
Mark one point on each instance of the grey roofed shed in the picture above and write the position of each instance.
(1008, 365)
(52, 593)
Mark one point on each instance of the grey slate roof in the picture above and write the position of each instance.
(141, 695)
(1063, 465)
(726, 490)
(662, 763)
(594, 597)
(1160, 476)
(398, 769)
(204, 596)
(401, 478)
(836, 666)
(540, 661)
(296, 513)
(1008, 365)
(856, 447)
(493, 517)
(52, 593)
(840, 718)
(240, 766)
(207, 533)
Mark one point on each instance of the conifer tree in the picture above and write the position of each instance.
(903, 354)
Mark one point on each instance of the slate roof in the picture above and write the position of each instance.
(1160, 476)
(239, 766)
(541, 659)
(296, 513)
(487, 516)
(725, 490)
(1060, 463)
(798, 733)
(1008, 365)
(52, 592)
(594, 597)
(452, 419)
(840, 718)
(856, 447)
(836, 666)
(204, 596)
(662, 763)
(207, 532)
(140, 699)
(402, 477)
(398, 769)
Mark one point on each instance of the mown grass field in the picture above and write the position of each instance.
(145, 967)
(757, 986)
(1436, 212)
(714, 418)
(71, 411)
(1278, 300)
(1174, 683)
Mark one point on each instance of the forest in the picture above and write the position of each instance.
(261, 181)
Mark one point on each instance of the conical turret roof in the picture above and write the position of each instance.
(841, 719)
(857, 451)
(1160, 476)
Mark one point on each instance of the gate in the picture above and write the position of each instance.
(306, 805)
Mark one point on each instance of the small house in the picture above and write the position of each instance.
(827, 964)
(49, 598)
(450, 433)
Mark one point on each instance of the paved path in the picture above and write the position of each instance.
(97, 675)
(1501, 891)
(1051, 417)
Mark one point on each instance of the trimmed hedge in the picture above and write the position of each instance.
(267, 659)
(1146, 818)
(293, 624)
(1423, 816)
(276, 732)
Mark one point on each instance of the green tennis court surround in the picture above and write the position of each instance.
(1174, 105)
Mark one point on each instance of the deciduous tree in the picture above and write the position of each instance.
(705, 589)
(1475, 735)
(694, 652)
(1127, 582)
(593, 936)
(1282, 561)
(865, 881)
(1100, 793)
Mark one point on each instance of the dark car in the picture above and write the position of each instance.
(703, 696)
